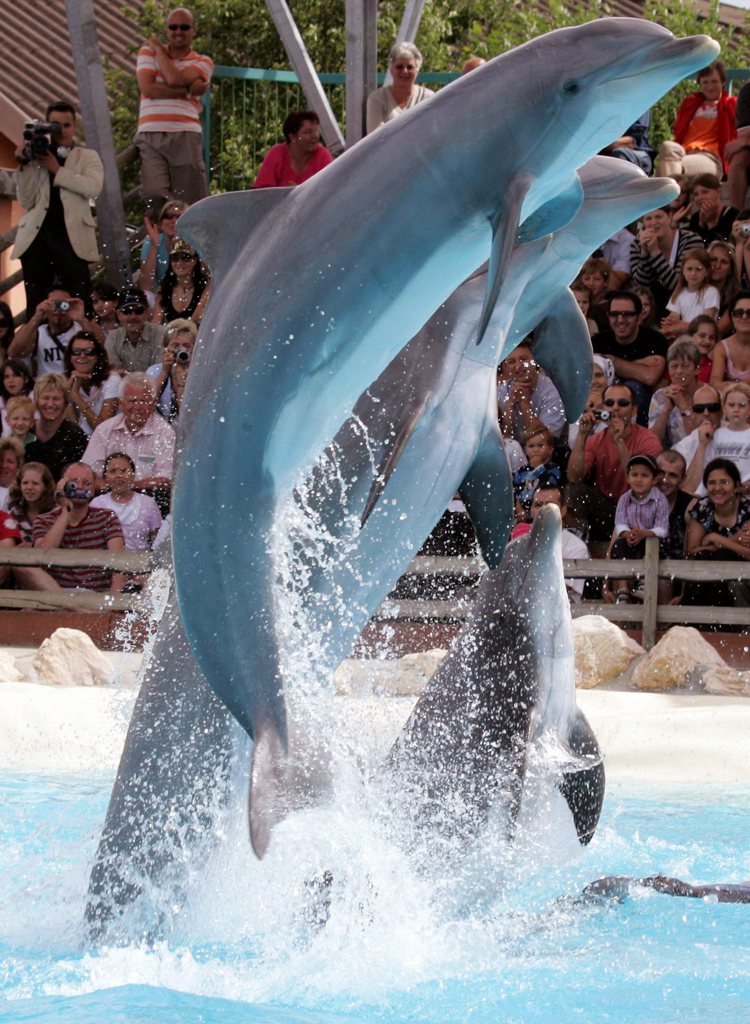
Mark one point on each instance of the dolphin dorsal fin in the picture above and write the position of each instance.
(220, 226)
(563, 350)
(504, 229)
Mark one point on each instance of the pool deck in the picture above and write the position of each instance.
(673, 738)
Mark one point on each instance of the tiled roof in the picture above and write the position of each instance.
(37, 63)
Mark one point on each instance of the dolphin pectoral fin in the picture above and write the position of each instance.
(583, 786)
(562, 347)
(388, 463)
(504, 229)
(267, 786)
(553, 215)
(219, 226)
(487, 492)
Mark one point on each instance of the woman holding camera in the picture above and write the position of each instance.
(94, 389)
(171, 374)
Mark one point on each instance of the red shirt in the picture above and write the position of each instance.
(277, 171)
(601, 456)
(9, 527)
(93, 533)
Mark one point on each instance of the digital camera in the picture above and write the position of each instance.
(602, 414)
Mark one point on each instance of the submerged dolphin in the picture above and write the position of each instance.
(504, 693)
(317, 288)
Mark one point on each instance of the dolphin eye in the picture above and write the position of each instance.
(571, 88)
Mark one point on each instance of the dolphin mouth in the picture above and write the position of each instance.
(670, 52)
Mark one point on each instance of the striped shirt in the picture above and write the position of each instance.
(171, 115)
(651, 513)
(97, 528)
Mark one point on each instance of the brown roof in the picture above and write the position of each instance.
(37, 64)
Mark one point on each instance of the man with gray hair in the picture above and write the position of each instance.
(138, 431)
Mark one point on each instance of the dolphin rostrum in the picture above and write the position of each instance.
(317, 288)
(505, 692)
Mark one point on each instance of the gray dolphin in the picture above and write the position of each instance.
(505, 690)
(428, 426)
(315, 292)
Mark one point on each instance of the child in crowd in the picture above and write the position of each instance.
(104, 303)
(642, 512)
(539, 448)
(704, 331)
(16, 379)
(31, 494)
(647, 316)
(139, 514)
(694, 295)
(595, 276)
(582, 296)
(732, 439)
(19, 415)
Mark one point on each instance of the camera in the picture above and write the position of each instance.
(182, 355)
(602, 414)
(71, 491)
(745, 229)
(60, 305)
(39, 136)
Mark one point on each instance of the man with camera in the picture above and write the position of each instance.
(46, 335)
(74, 524)
(56, 182)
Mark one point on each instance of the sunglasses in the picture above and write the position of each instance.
(179, 27)
(173, 215)
(707, 407)
(740, 313)
(615, 314)
(182, 257)
(82, 352)
(622, 403)
(133, 310)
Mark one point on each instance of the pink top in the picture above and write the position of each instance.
(276, 171)
(731, 372)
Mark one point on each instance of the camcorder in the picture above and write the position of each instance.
(39, 137)
(71, 491)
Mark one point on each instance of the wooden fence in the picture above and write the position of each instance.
(432, 576)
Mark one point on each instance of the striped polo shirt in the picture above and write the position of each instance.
(93, 533)
(171, 115)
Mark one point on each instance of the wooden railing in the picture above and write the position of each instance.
(435, 573)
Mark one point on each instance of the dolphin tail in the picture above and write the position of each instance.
(403, 432)
(562, 347)
(267, 782)
(487, 492)
(583, 788)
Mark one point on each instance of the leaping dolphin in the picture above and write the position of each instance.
(317, 288)
(506, 689)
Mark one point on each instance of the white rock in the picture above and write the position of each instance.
(403, 676)
(9, 671)
(680, 654)
(603, 650)
(727, 680)
(70, 658)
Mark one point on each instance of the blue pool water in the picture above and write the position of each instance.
(397, 948)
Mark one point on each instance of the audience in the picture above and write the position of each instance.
(138, 514)
(642, 512)
(170, 375)
(58, 440)
(31, 494)
(712, 219)
(694, 295)
(45, 336)
(697, 447)
(671, 412)
(185, 289)
(526, 398)
(656, 255)
(161, 235)
(299, 157)
(731, 357)
(136, 344)
(93, 388)
(388, 102)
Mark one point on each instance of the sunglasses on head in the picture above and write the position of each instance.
(179, 26)
(182, 257)
(136, 310)
(622, 403)
(707, 407)
(83, 352)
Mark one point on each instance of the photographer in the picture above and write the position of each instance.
(46, 335)
(56, 181)
(74, 524)
(170, 375)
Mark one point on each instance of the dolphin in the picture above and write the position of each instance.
(432, 414)
(318, 287)
(503, 694)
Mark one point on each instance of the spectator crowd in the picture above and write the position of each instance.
(92, 380)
